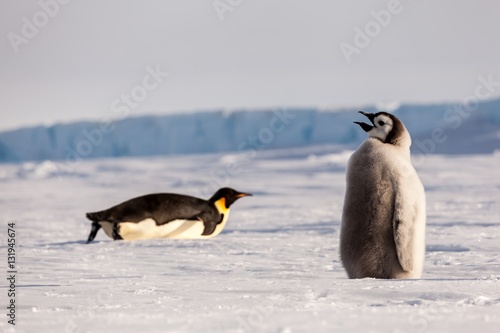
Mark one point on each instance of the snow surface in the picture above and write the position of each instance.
(274, 269)
(442, 128)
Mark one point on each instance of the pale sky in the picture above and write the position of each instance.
(263, 54)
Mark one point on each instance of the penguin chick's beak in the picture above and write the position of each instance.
(241, 195)
(370, 116)
(365, 126)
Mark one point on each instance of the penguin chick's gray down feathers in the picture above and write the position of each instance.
(383, 219)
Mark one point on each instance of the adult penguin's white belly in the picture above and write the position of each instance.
(179, 229)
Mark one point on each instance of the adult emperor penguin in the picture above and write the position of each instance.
(166, 215)
(383, 220)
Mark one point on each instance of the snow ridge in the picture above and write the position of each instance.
(440, 128)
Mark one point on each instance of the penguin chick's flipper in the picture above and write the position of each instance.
(404, 244)
(93, 231)
(403, 228)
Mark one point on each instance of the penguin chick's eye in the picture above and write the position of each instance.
(381, 123)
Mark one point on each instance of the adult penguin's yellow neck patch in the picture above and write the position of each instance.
(221, 205)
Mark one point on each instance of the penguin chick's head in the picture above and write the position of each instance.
(386, 128)
(229, 195)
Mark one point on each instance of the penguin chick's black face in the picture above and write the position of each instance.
(385, 126)
(229, 195)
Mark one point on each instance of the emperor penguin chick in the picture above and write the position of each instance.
(383, 219)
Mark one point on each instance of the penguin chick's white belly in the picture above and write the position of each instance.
(179, 229)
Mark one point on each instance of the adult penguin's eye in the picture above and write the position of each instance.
(381, 123)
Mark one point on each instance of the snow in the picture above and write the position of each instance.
(440, 128)
(276, 266)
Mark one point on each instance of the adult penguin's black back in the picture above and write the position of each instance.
(165, 215)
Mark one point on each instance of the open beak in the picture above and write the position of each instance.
(241, 195)
(366, 127)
